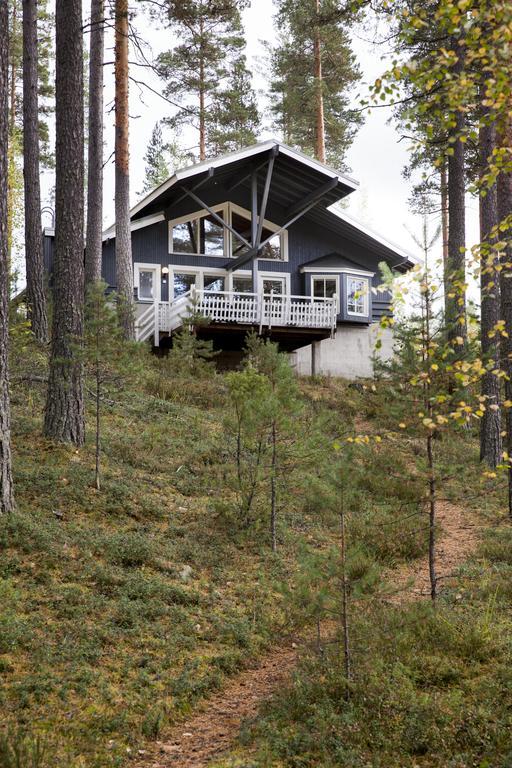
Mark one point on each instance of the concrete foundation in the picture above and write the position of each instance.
(348, 355)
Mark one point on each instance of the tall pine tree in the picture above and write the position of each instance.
(198, 70)
(157, 167)
(124, 266)
(313, 70)
(36, 295)
(236, 115)
(64, 413)
(93, 245)
(6, 485)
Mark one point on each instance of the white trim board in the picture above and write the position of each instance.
(139, 266)
(337, 271)
(145, 221)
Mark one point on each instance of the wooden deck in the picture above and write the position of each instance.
(238, 312)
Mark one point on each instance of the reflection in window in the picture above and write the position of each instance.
(242, 225)
(272, 250)
(242, 284)
(212, 237)
(275, 286)
(146, 284)
(183, 282)
(184, 237)
(213, 283)
(357, 296)
(324, 287)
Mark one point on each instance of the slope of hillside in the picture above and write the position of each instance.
(122, 609)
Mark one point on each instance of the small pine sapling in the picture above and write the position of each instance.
(436, 375)
(190, 355)
(283, 410)
(109, 360)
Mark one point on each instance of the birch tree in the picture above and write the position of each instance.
(64, 412)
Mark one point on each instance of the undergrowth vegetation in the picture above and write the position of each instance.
(121, 608)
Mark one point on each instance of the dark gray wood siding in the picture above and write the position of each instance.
(306, 241)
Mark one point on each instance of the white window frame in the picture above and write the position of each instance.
(200, 272)
(331, 276)
(234, 208)
(222, 209)
(365, 295)
(140, 266)
(226, 211)
(272, 276)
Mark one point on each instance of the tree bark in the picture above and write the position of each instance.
(64, 414)
(93, 247)
(11, 136)
(456, 304)
(444, 231)
(504, 211)
(124, 266)
(202, 114)
(490, 426)
(36, 295)
(320, 126)
(6, 483)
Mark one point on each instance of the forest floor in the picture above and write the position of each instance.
(214, 728)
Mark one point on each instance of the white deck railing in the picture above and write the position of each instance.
(265, 310)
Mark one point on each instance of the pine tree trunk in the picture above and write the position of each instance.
(64, 414)
(93, 247)
(490, 426)
(124, 266)
(505, 210)
(456, 305)
(320, 125)
(11, 136)
(202, 115)
(36, 296)
(6, 483)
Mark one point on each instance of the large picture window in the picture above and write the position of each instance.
(357, 296)
(199, 233)
(202, 234)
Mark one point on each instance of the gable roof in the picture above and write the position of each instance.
(292, 170)
(295, 175)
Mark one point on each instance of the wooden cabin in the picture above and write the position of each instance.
(257, 239)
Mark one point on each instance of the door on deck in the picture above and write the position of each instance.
(273, 289)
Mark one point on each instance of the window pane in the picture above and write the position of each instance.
(241, 225)
(272, 249)
(242, 284)
(331, 287)
(212, 236)
(357, 291)
(213, 283)
(275, 286)
(184, 237)
(183, 283)
(318, 288)
(146, 284)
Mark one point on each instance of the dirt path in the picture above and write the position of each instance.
(214, 727)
